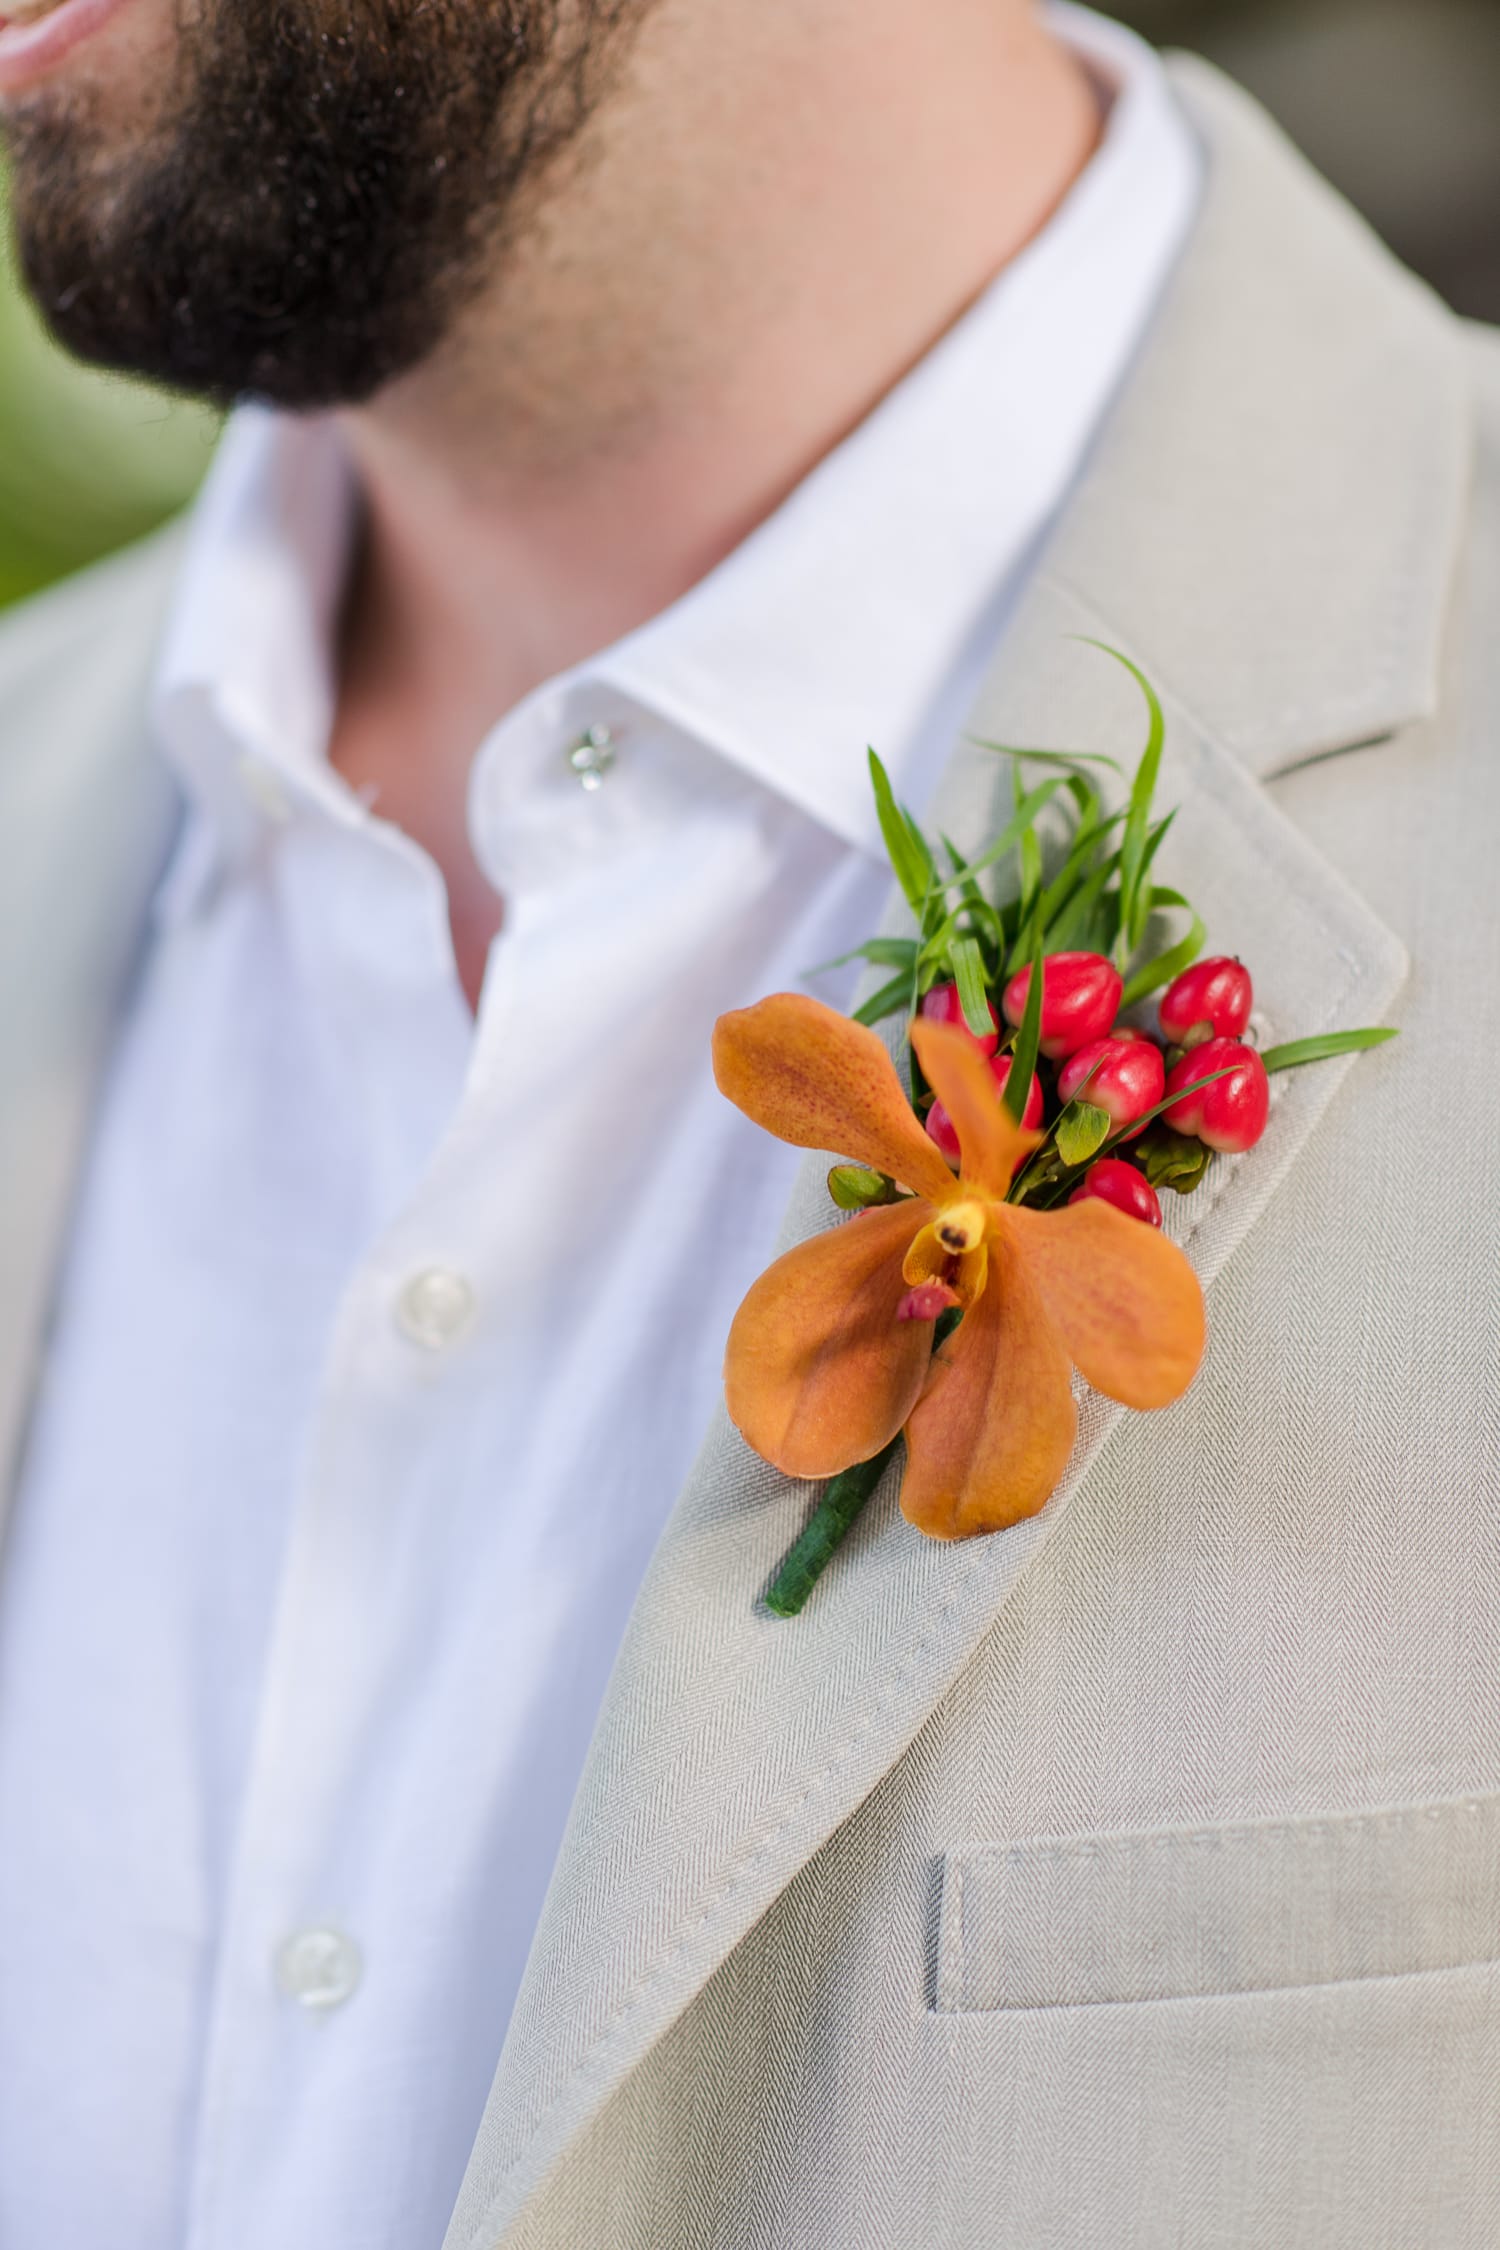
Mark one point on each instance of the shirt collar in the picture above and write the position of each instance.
(840, 622)
(252, 632)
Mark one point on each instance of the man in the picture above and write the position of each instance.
(652, 404)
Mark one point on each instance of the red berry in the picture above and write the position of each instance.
(1211, 1000)
(1123, 1077)
(927, 1300)
(940, 1124)
(1080, 999)
(1230, 1115)
(1111, 1181)
(942, 1005)
(940, 1129)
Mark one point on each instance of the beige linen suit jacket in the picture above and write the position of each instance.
(1130, 1881)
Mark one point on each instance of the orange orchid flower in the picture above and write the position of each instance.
(825, 1364)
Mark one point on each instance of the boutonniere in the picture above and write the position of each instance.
(1004, 1224)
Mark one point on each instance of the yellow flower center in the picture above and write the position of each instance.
(961, 1227)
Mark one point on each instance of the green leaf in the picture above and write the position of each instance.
(885, 1002)
(1153, 974)
(1322, 1050)
(880, 952)
(968, 975)
(1028, 1043)
(828, 1525)
(910, 857)
(1172, 1160)
(855, 1188)
(1082, 1131)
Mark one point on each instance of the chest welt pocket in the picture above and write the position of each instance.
(1260, 1906)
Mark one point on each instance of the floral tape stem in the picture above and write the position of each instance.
(828, 1525)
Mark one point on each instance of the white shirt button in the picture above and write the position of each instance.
(263, 786)
(435, 1307)
(319, 1968)
(592, 756)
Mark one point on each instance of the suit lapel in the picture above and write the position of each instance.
(86, 816)
(1297, 425)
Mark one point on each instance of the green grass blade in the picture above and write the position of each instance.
(1299, 1051)
(880, 952)
(1153, 974)
(885, 1002)
(1085, 796)
(909, 857)
(1071, 922)
(1065, 758)
(1029, 857)
(1028, 1043)
(1148, 1116)
(968, 975)
(1018, 825)
(1154, 842)
(984, 916)
(935, 948)
(1031, 873)
(1073, 878)
(1133, 849)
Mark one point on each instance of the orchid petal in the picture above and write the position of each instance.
(990, 1439)
(991, 1143)
(1126, 1301)
(820, 1373)
(811, 1077)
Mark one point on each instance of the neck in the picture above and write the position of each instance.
(773, 215)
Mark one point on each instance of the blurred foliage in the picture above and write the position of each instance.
(1396, 100)
(86, 461)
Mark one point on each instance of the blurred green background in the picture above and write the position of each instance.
(1398, 101)
(86, 462)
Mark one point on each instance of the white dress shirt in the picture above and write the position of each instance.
(387, 1336)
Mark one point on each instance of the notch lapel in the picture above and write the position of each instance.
(1297, 423)
(86, 817)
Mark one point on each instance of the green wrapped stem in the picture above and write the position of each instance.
(827, 1527)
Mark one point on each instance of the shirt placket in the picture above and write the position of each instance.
(303, 1938)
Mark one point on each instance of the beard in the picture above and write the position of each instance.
(326, 186)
